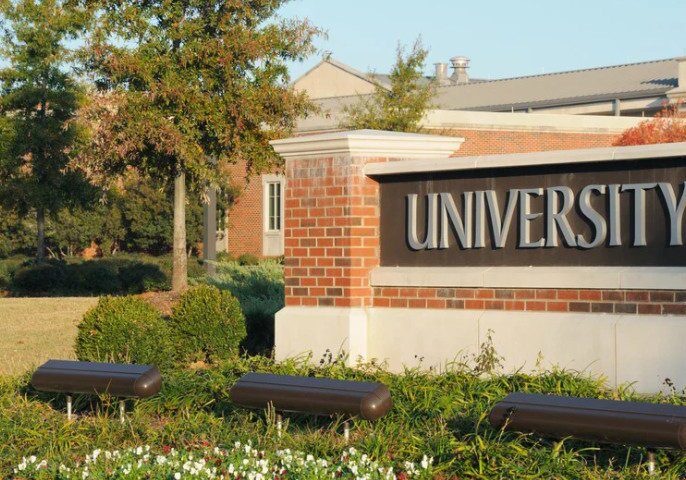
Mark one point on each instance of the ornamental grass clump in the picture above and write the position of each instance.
(208, 324)
(260, 291)
(125, 330)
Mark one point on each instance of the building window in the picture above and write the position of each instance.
(272, 215)
(274, 206)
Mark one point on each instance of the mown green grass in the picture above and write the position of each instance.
(443, 416)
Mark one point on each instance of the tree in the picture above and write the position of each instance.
(199, 84)
(400, 107)
(39, 102)
(667, 126)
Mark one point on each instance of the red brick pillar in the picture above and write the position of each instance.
(332, 235)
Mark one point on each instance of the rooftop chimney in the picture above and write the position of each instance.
(442, 74)
(460, 76)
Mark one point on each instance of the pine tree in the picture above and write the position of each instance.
(402, 106)
(199, 84)
(39, 104)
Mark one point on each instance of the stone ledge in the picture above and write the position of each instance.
(645, 278)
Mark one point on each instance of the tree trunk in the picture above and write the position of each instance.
(180, 269)
(40, 222)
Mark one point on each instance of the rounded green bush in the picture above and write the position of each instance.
(125, 329)
(37, 278)
(208, 324)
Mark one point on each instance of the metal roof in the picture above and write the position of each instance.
(636, 80)
(628, 81)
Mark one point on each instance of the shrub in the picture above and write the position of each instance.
(138, 277)
(248, 259)
(260, 290)
(8, 267)
(93, 277)
(34, 278)
(208, 324)
(120, 274)
(125, 329)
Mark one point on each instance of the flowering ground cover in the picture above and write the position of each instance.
(241, 461)
(438, 423)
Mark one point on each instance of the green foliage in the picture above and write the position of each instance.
(137, 218)
(73, 230)
(208, 324)
(260, 290)
(401, 106)
(146, 206)
(220, 78)
(125, 329)
(247, 259)
(39, 105)
(118, 274)
(439, 415)
(220, 88)
(8, 267)
(16, 236)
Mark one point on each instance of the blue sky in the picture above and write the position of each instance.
(502, 38)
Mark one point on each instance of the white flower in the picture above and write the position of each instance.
(177, 476)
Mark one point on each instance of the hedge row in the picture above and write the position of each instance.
(119, 274)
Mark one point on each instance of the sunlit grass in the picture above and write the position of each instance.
(33, 330)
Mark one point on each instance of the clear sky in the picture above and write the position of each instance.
(503, 38)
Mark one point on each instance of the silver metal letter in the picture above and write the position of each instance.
(615, 220)
(450, 214)
(525, 217)
(599, 226)
(479, 221)
(431, 240)
(639, 190)
(558, 216)
(501, 229)
(675, 210)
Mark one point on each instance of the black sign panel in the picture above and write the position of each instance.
(627, 213)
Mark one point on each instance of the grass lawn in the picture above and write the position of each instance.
(36, 329)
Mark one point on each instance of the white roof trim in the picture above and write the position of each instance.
(368, 143)
(640, 152)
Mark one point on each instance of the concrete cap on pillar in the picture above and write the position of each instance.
(368, 143)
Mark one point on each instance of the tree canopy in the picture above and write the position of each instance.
(401, 106)
(195, 85)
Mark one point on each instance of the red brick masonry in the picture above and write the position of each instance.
(331, 234)
(552, 300)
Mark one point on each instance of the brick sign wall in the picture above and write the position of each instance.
(345, 293)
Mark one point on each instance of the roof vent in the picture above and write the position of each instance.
(460, 66)
(442, 74)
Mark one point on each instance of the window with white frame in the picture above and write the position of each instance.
(274, 206)
(273, 201)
